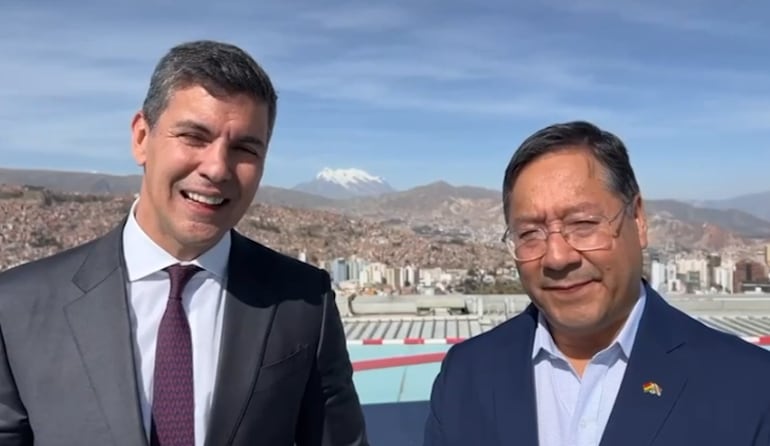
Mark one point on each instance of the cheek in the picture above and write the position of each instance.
(154, 174)
(602, 263)
(249, 175)
(168, 164)
(165, 179)
(609, 266)
(529, 274)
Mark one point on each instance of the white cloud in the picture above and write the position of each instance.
(80, 74)
(358, 16)
(705, 16)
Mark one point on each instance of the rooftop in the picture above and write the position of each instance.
(396, 344)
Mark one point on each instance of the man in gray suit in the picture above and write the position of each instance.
(174, 329)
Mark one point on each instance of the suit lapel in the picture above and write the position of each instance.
(514, 384)
(100, 323)
(658, 358)
(249, 311)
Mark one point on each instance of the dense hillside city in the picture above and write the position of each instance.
(431, 239)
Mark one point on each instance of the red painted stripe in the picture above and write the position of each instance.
(758, 340)
(398, 361)
(429, 358)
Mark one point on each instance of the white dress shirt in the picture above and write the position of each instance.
(572, 411)
(203, 301)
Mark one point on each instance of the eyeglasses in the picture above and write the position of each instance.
(586, 233)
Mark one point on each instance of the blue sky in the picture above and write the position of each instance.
(413, 90)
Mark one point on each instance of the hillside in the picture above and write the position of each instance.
(450, 213)
(37, 223)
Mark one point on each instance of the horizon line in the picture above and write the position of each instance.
(690, 201)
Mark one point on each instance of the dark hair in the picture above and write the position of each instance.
(605, 147)
(221, 68)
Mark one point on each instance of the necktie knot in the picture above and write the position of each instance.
(180, 275)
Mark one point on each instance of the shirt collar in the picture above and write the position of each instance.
(624, 340)
(144, 257)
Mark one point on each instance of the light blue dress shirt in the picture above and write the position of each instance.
(572, 411)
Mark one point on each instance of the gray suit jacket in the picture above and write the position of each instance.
(67, 372)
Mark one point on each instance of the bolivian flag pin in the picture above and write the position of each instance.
(652, 388)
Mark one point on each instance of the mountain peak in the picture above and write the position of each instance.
(346, 177)
(345, 183)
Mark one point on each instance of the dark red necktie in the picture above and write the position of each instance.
(173, 404)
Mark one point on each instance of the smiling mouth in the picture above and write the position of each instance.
(211, 201)
(571, 287)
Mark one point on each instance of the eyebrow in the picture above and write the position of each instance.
(582, 206)
(188, 124)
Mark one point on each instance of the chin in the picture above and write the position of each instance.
(580, 324)
(580, 316)
(197, 233)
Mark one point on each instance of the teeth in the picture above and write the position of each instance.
(213, 201)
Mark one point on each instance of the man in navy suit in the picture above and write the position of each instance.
(599, 358)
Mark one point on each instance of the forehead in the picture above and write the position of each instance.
(239, 111)
(563, 182)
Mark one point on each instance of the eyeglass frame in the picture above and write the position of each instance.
(510, 244)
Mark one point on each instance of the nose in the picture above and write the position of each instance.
(559, 255)
(215, 162)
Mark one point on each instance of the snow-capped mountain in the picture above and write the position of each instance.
(345, 183)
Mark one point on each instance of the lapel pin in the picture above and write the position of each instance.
(652, 388)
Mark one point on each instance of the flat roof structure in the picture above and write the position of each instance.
(450, 319)
(397, 343)
(452, 329)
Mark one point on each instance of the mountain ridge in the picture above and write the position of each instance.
(440, 207)
(757, 203)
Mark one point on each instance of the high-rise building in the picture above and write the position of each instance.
(339, 270)
(411, 276)
(356, 267)
(723, 279)
(693, 272)
(647, 258)
(748, 272)
(658, 276)
(767, 254)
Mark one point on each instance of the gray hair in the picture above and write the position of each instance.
(605, 147)
(221, 68)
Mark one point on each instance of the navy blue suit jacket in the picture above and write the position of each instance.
(716, 387)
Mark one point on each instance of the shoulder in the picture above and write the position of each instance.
(722, 366)
(488, 347)
(43, 277)
(714, 344)
(277, 262)
(477, 362)
(728, 351)
(280, 269)
(717, 356)
(52, 265)
(706, 344)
